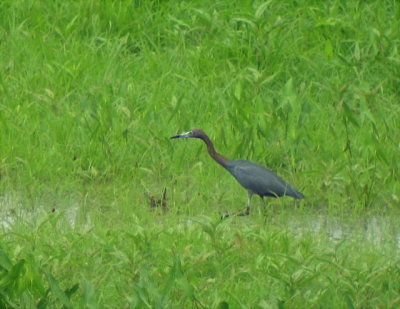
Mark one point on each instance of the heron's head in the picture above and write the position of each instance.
(195, 133)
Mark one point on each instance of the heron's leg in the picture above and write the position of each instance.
(247, 211)
(265, 211)
(241, 214)
(264, 206)
(249, 196)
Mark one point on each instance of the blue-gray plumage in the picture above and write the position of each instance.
(255, 178)
(259, 180)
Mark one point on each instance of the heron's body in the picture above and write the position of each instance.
(259, 180)
(255, 178)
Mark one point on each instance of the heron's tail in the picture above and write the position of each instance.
(294, 193)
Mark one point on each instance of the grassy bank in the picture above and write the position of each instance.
(90, 93)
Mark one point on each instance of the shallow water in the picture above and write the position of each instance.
(377, 230)
(13, 210)
(374, 229)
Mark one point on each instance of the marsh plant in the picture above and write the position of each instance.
(90, 92)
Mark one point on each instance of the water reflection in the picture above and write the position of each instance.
(374, 229)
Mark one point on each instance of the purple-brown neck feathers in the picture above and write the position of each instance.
(198, 133)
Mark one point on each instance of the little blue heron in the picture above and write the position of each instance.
(255, 178)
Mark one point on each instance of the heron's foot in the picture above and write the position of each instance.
(225, 215)
(245, 213)
(238, 214)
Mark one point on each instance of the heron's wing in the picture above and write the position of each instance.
(260, 180)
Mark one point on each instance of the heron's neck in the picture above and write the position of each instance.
(216, 156)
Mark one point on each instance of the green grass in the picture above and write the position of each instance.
(91, 91)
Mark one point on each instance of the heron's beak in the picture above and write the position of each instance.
(181, 135)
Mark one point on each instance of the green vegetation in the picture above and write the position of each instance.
(90, 92)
